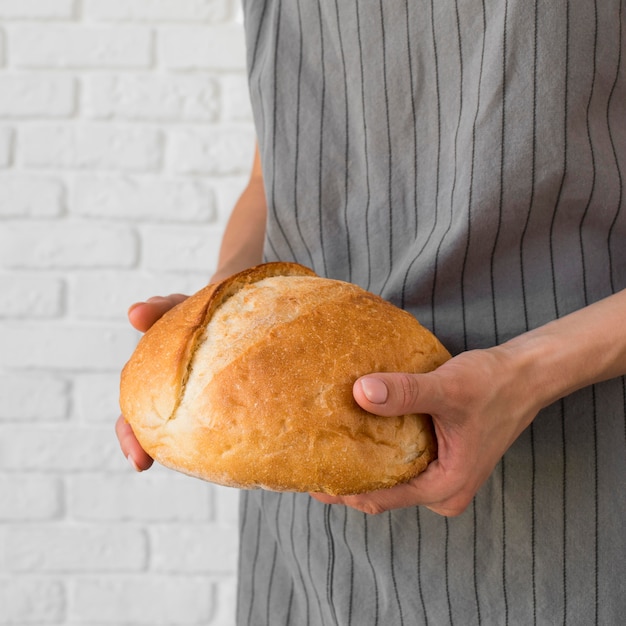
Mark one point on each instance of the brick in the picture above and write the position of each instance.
(150, 601)
(75, 548)
(56, 346)
(33, 397)
(108, 295)
(80, 46)
(67, 448)
(144, 198)
(166, 10)
(90, 146)
(31, 96)
(216, 151)
(155, 496)
(36, 9)
(31, 601)
(6, 142)
(200, 548)
(235, 98)
(28, 497)
(180, 248)
(226, 505)
(31, 196)
(96, 398)
(151, 97)
(201, 47)
(226, 594)
(30, 297)
(66, 245)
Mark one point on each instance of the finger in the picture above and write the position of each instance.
(139, 459)
(425, 490)
(142, 315)
(394, 394)
(375, 502)
(365, 503)
(372, 503)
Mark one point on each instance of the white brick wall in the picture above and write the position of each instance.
(125, 137)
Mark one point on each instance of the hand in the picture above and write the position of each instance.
(142, 315)
(479, 404)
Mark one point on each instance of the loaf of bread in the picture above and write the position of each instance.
(248, 383)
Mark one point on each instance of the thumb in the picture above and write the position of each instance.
(391, 394)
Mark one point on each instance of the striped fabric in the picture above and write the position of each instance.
(466, 160)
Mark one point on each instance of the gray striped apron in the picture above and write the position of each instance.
(465, 159)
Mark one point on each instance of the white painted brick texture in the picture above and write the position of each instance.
(125, 138)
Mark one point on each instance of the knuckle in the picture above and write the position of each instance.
(366, 505)
(373, 509)
(407, 390)
(453, 507)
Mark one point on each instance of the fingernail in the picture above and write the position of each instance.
(375, 390)
(133, 464)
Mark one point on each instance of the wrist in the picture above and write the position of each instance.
(540, 373)
(580, 349)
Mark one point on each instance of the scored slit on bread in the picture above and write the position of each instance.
(248, 383)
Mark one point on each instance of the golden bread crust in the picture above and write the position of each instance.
(258, 392)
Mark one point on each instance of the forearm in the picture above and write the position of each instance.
(242, 243)
(580, 349)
